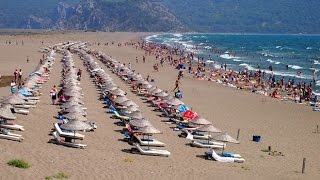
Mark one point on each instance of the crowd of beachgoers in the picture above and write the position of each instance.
(258, 82)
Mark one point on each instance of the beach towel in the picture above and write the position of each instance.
(183, 108)
(24, 92)
(190, 115)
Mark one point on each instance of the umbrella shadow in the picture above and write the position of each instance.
(202, 157)
(131, 151)
(123, 140)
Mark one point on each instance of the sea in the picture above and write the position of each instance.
(290, 56)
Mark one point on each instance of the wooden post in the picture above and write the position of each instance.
(317, 131)
(303, 165)
(269, 148)
(238, 134)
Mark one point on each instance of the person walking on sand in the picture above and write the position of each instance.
(177, 83)
(144, 59)
(53, 94)
(27, 59)
(16, 74)
(20, 76)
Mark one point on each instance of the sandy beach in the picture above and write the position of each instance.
(286, 127)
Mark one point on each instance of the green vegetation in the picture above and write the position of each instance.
(18, 163)
(59, 175)
(240, 16)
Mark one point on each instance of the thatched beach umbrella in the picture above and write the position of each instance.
(167, 97)
(75, 109)
(209, 129)
(131, 108)
(201, 121)
(5, 113)
(136, 115)
(75, 125)
(149, 130)
(120, 99)
(224, 137)
(155, 91)
(161, 94)
(75, 116)
(140, 123)
(174, 102)
(128, 103)
(118, 92)
(13, 100)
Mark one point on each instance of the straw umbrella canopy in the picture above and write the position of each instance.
(201, 121)
(136, 115)
(168, 97)
(128, 103)
(120, 99)
(151, 88)
(75, 125)
(13, 100)
(161, 94)
(5, 113)
(147, 86)
(118, 92)
(131, 108)
(224, 137)
(75, 109)
(71, 103)
(149, 130)
(209, 128)
(155, 91)
(75, 99)
(174, 102)
(140, 123)
(75, 116)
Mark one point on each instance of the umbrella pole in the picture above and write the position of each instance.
(208, 138)
(74, 135)
(222, 150)
(148, 142)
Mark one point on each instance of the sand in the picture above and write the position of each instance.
(285, 126)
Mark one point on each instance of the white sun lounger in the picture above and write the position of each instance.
(12, 126)
(67, 134)
(150, 142)
(60, 141)
(195, 136)
(152, 152)
(24, 106)
(21, 111)
(218, 158)
(10, 137)
(205, 144)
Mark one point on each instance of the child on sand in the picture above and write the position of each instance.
(53, 94)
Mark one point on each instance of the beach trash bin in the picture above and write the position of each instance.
(256, 138)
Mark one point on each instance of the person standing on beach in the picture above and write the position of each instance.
(27, 59)
(144, 59)
(20, 76)
(16, 74)
(177, 83)
(53, 94)
(13, 86)
(137, 60)
(129, 66)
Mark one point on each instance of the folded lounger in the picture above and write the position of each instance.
(6, 134)
(152, 152)
(67, 134)
(218, 158)
(205, 144)
(149, 142)
(59, 140)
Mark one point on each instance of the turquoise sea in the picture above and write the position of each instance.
(291, 56)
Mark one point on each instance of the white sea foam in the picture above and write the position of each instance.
(237, 60)
(316, 62)
(148, 38)
(273, 62)
(228, 56)
(295, 67)
(278, 47)
(177, 35)
(309, 48)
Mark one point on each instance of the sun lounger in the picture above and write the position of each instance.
(212, 154)
(60, 141)
(14, 138)
(23, 106)
(20, 111)
(12, 126)
(67, 134)
(152, 152)
(205, 144)
(195, 135)
(149, 142)
(117, 115)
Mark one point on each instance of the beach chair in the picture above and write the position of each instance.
(152, 152)
(117, 115)
(149, 142)
(213, 155)
(19, 111)
(60, 141)
(67, 134)
(192, 134)
(6, 134)
(12, 126)
(112, 109)
(205, 144)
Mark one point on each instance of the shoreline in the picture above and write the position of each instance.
(283, 126)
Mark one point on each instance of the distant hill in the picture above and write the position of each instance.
(248, 16)
(233, 16)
